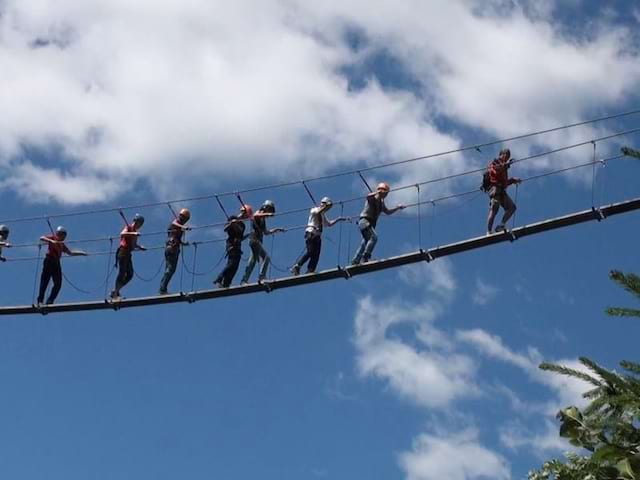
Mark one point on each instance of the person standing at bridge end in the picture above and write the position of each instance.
(51, 268)
(175, 232)
(235, 235)
(495, 182)
(128, 243)
(4, 234)
(373, 207)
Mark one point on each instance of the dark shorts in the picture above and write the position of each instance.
(498, 197)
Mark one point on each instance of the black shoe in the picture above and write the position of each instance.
(500, 228)
(310, 271)
(163, 292)
(295, 270)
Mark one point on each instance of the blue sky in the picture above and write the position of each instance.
(418, 373)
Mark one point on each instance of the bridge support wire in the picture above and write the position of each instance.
(593, 175)
(35, 276)
(419, 217)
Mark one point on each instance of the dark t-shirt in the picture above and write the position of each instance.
(373, 207)
(235, 234)
(174, 235)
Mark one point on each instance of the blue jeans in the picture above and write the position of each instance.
(257, 252)
(369, 240)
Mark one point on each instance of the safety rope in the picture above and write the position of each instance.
(206, 272)
(146, 279)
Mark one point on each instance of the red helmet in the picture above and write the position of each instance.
(246, 210)
(384, 187)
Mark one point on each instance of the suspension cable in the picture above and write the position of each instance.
(330, 176)
(361, 197)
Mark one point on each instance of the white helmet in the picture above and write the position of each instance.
(326, 201)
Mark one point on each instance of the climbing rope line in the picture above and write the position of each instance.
(330, 176)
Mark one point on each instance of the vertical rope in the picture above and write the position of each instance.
(603, 182)
(273, 240)
(35, 277)
(419, 218)
(108, 274)
(181, 252)
(340, 235)
(513, 220)
(348, 245)
(193, 270)
(432, 224)
(593, 176)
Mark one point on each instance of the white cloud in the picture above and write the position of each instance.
(429, 374)
(203, 88)
(484, 292)
(454, 457)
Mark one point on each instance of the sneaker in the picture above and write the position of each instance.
(218, 283)
(163, 292)
(500, 228)
(261, 279)
(310, 271)
(355, 262)
(295, 270)
(114, 295)
(243, 282)
(49, 302)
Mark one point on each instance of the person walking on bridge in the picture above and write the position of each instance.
(313, 236)
(235, 236)
(175, 232)
(373, 207)
(258, 231)
(51, 268)
(498, 182)
(128, 243)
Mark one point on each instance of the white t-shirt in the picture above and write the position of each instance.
(316, 221)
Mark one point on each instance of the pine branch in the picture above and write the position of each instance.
(629, 282)
(622, 312)
(611, 378)
(570, 372)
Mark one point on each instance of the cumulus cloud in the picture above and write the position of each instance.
(458, 456)
(427, 375)
(203, 88)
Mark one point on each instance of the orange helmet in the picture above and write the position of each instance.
(246, 210)
(185, 213)
(384, 187)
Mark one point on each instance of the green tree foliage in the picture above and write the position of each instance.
(609, 427)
